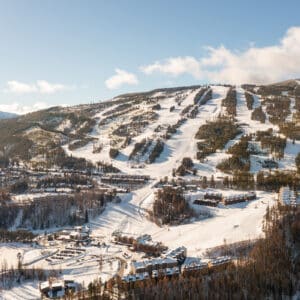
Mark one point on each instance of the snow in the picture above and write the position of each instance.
(9, 253)
(64, 125)
(209, 232)
(292, 108)
(290, 152)
(244, 115)
(129, 215)
(232, 223)
(83, 270)
(27, 291)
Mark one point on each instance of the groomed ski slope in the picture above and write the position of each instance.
(233, 223)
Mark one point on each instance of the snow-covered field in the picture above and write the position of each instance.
(231, 223)
(83, 269)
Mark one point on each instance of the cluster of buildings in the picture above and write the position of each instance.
(287, 196)
(232, 199)
(142, 243)
(154, 274)
(150, 265)
(125, 180)
(213, 196)
(194, 265)
(198, 265)
(143, 270)
(154, 268)
(213, 199)
(179, 254)
(78, 234)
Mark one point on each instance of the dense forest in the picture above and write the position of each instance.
(214, 135)
(170, 206)
(275, 144)
(230, 102)
(240, 159)
(258, 115)
(59, 210)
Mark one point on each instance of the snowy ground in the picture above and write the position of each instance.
(83, 270)
(197, 235)
(28, 291)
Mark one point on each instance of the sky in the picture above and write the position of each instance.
(67, 52)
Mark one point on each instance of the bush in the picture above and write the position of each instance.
(240, 149)
(290, 130)
(273, 181)
(230, 102)
(297, 161)
(170, 206)
(113, 152)
(278, 108)
(234, 163)
(275, 144)
(59, 158)
(243, 180)
(258, 115)
(186, 109)
(249, 100)
(181, 170)
(215, 135)
(207, 97)
(19, 187)
(16, 236)
(157, 150)
(156, 107)
(187, 162)
(137, 147)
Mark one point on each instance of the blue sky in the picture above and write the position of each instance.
(70, 52)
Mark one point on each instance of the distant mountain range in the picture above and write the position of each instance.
(7, 115)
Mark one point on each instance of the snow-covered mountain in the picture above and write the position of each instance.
(7, 115)
(174, 115)
(221, 141)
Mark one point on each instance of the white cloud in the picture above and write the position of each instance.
(121, 77)
(253, 65)
(175, 66)
(21, 109)
(40, 87)
(20, 87)
(50, 88)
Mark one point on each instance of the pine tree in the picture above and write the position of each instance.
(86, 219)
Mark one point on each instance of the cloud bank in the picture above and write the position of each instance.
(253, 65)
(175, 66)
(120, 78)
(21, 109)
(40, 87)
